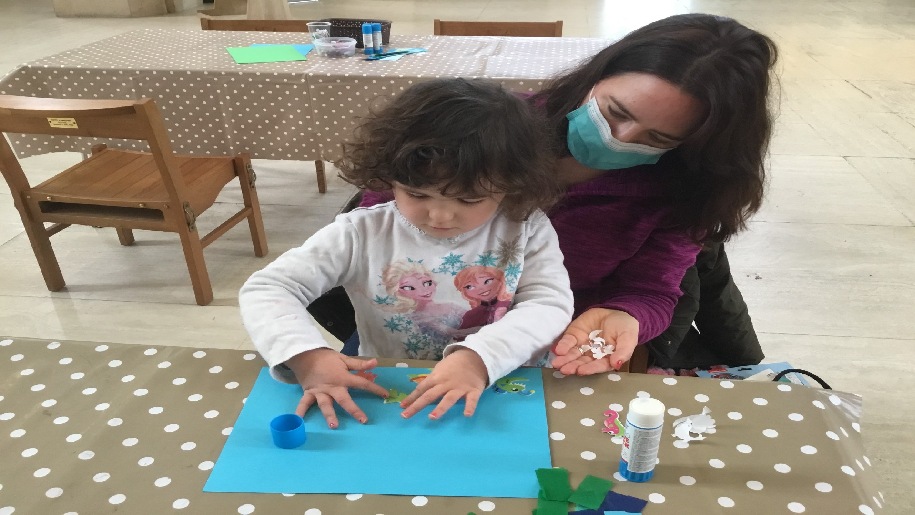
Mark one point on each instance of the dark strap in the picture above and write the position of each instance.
(811, 375)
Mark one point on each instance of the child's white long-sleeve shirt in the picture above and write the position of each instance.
(406, 288)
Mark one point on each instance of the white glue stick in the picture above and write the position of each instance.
(644, 423)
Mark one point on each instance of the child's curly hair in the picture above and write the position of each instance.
(470, 137)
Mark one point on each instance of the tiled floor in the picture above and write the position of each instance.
(827, 267)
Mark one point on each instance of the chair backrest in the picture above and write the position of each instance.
(498, 28)
(255, 25)
(120, 119)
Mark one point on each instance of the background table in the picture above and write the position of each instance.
(298, 110)
(98, 428)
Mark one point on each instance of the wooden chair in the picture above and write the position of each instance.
(226, 8)
(268, 26)
(127, 190)
(498, 28)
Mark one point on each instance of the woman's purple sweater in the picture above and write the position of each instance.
(618, 250)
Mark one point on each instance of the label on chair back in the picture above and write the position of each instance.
(63, 123)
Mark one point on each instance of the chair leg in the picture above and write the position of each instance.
(249, 193)
(196, 266)
(322, 179)
(44, 253)
(125, 236)
(638, 363)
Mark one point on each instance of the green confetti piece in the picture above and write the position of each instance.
(548, 507)
(591, 492)
(554, 484)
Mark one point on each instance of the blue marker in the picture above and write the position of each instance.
(367, 39)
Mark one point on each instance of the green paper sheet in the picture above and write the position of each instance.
(265, 54)
(547, 507)
(554, 484)
(591, 492)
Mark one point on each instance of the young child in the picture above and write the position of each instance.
(469, 166)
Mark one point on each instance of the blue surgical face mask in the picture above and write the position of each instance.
(593, 145)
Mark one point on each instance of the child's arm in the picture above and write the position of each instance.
(541, 310)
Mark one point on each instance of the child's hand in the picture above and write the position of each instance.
(325, 378)
(461, 374)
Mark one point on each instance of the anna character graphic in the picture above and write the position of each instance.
(484, 288)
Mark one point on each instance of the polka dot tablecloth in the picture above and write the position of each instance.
(296, 110)
(88, 428)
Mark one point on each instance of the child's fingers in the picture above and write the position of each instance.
(354, 381)
(470, 407)
(349, 405)
(359, 364)
(445, 404)
(304, 403)
(326, 405)
(427, 397)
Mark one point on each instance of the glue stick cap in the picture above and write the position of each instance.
(645, 412)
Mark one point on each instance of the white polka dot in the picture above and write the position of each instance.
(164, 364)
(171, 428)
(770, 433)
(760, 401)
(155, 410)
(117, 498)
(205, 465)
(180, 504)
(150, 352)
(28, 453)
(77, 375)
(701, 397)
(38, 387)
(735, 415)
(674, 412)
(558, 375)
(188, 446)
(823, 487)
(587, 422)
(617, 476)
(558, 404)
(115, 363)
(865, 509)
(215, 370)
(486, 506)
(867, 460)
(669, 380)
(614, 377)
(6, 343)
(860, 466)
(681, 444)
(162, 481)
(797, 417)
(796, 507)
(130, 442)
(250, 356)
(140, 392)
(102, 406)
(754, 485)
(146, 461)
(618, 440)
(586, 391)
(101, 477)
(231, 385)
(27, 372)
(178, 381)
(832, 435)
(195, 397)
(17, 433)
(246, 509)
(844, 432)
(353, 497)
(61, 420)
(687, 480)
(46, 404)
(419, 500)
(784, 387)
(199, 354)
(54, 493)
(784, 468)
(16, 357)
(726, 502)
(115, 422)
(835, 400)
(211, 414)
(89, 391)
(716, 463)
(86, 455)
(42, 472)
(401, 365)
(101, 348)
(744, 449)
(726, 384)
(641, 394)
(848, 470)
(809, 449)
(227, 431)
(656, 498)
(557, 436)
(312, 511)
(588, 455)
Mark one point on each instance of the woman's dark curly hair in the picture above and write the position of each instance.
(727, 67)
(467, 137)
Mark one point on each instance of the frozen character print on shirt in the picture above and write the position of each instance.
(428, 326)
(484, 288)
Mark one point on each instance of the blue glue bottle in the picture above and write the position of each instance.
(367, 39)
(644, 424)
(376, 37)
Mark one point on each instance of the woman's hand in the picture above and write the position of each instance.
(619, 329)
(461, 375)
(325, 378)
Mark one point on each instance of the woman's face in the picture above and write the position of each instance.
(645, 109)
(483, 287)
(417, 287)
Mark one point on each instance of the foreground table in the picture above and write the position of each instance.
(100, 428)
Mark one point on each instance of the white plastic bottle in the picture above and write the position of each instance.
(644, 424)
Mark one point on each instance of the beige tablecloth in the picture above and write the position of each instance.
(101, 428)
(297, 110)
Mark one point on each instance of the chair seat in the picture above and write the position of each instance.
(126, 179)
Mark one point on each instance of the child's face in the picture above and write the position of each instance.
(444, 217)
(483, 287)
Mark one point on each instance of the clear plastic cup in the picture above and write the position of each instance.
(319, 29)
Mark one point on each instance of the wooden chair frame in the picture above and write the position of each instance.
(127, 190)
(498, 28)
(268, 26)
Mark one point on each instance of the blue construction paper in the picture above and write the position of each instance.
(302, 49)
(491, 454)
(615, 503)
(617, 512)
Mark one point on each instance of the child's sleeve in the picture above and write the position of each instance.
(541, 310)
(273, 300)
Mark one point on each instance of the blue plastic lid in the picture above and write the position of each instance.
(366, 28)
(376, 26)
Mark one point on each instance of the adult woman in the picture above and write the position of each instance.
(666, 131)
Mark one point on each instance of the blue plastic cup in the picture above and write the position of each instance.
(288, 431)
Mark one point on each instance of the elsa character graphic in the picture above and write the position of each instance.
(412, 286)
(484, 288)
